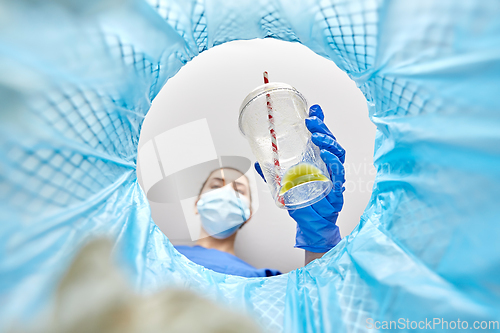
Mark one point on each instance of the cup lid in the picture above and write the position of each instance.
(261, 90)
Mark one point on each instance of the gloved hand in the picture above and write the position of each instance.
(316, 229)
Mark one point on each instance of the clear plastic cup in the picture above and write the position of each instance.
(303, 177)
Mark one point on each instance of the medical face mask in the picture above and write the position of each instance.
(223, 211)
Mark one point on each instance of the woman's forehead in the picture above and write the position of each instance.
(229, 176)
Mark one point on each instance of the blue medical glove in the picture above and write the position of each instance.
(316, 229)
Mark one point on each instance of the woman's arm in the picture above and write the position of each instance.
(310, 256)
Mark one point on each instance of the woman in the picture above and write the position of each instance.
(224, 206)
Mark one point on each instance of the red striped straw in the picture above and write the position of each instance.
(274, 142)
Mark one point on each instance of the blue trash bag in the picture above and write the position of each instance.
(78, 77)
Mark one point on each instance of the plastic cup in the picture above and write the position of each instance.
(300, 178)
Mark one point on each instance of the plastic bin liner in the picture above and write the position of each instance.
(78, 77)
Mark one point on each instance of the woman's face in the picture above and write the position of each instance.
(224, 177)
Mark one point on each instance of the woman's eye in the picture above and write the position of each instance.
(214, 186)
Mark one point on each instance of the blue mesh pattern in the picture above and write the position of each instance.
(200, 29)
(78, 78)
(350, 29)
(275, 26)
(268, 304)
(51, 178)
(172, 13)
(353, 295)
